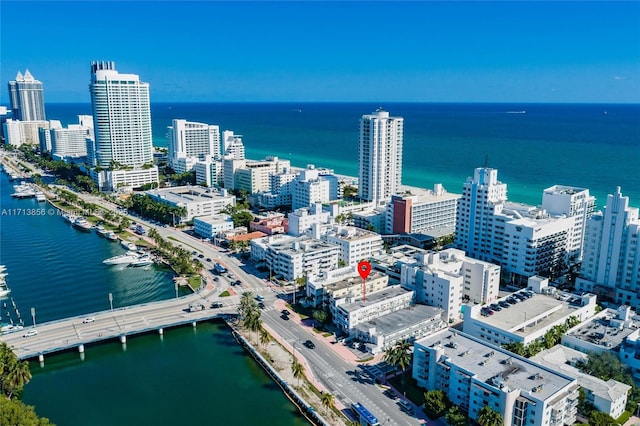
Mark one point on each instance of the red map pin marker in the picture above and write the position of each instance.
(364, 269)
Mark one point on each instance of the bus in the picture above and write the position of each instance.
(364, 416)
(219, 269)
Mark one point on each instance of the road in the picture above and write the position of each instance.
(348, 382)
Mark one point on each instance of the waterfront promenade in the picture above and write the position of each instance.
(80, 331)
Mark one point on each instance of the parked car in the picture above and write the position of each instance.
(285, 312)
(309, 344)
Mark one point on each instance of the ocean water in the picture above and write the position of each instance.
(568, 144)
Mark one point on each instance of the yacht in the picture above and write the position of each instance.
(68, 218)
(4, 289)
(40, 196)
(10, 328)
(129, 245)
(82, 224)
(102, 231)
(111, 236)
(23, 190)
(123, 259)
(143, 260)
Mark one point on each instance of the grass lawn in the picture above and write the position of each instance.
(410, 388)
(195, 282)
(225, 293)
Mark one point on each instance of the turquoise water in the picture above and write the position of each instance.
(190, 375)
(569, 144)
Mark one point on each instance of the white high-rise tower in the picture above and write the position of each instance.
(380, 156)
(27, 99)
(122, 124)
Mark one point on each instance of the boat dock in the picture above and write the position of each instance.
(117, 324)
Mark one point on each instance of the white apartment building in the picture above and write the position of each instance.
(124, 180)
(483, 197)
(299, 257)
(232, 145)
(475, 374)
(209, 173)
(254, 176)
(309, 188)
(571, 202)
(341, 282)
(611, 260)
(210, 227)
(280, 190)
(355, 244)
(193, 141)
(448, 278)
(18, 132)
(527, 320)
(609, 396)
(27, 98)
(348, 312)
(302, 220)
(229, 167)
(380, 140)
(198, 201)
(259, 246)
(422, 212)
(70, 141)
(122, 126)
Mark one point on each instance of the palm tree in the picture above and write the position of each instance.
(246, 302)
(399, 356)
(265, 337)
(327, 399)
(18, 375)
(489, 417)
(297, 369)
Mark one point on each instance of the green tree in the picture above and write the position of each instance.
(15, 412)
(436, 403)
(489, 417)
(456, 417)
(320, 316)
(598, 418)
(517, 348)
(297, 369)
(399, 356)
(265, 337)
(327, 399)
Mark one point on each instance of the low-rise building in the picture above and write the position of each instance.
(302, 220)
(355, 244)
(475, 374)
(342, 283)
(348, 312)
(211, 227)
(410, 323)
(528, 318)
(609, 396)
(124, 180)
(270, 223)
(198, 201)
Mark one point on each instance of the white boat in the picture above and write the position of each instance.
(144, 260)
(4, 289)
(82, 224)
(40, 196)
(23, 190)
(123, 259)
(102, 231)
(68, 218)
(129, 245)
(111, 236)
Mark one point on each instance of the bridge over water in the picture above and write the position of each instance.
(76, 332)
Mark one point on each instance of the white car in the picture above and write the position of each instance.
(88, 320)
(31, 333)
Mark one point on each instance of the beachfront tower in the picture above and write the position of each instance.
(379, 156)
(26, 96)
(122, 124)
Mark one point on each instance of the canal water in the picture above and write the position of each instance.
(186, 376)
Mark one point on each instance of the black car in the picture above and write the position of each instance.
(389, 393)
(284, 317)
(503, 304)
(285, 312)
(309, 344)
(496, 307)
(208, 259)
(201, 255)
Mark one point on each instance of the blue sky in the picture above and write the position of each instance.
(331, 51)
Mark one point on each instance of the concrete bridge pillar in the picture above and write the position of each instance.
(41, 358)
(160, 331)
(194, 323)
(81, 348)
(123, 339)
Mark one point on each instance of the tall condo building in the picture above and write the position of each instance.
(380, 156)
(189, 140)
(611, 260)
(122, 119)
(483, 196)
(27, 100)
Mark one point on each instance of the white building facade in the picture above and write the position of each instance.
(380, 144)
(197, 141)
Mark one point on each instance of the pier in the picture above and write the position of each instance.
(81, 331)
